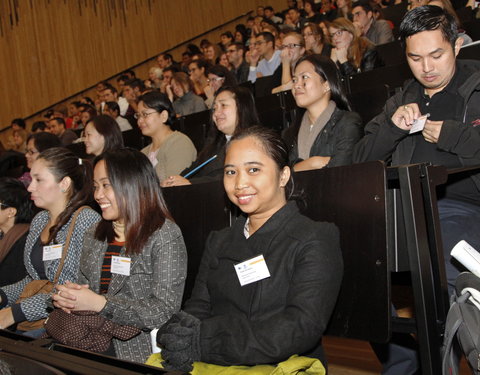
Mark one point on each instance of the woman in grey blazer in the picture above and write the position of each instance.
(134, 262)
(61, 184)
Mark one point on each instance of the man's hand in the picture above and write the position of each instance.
(431, 131)
(405, 115)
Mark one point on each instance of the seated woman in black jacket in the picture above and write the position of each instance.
(328, 130)
(233, 110)
(352, 53)
(266, 286)
(16, 213)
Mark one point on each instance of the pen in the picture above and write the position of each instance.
(200, 166)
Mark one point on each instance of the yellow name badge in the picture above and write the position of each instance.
(52, 252)
(252, 270)
(121, 265)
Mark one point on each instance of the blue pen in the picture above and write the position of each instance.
(200, 166)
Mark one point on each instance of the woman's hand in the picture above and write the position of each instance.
(74, 297)
(6, 318)
(175, 181)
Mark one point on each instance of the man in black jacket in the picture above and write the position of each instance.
(448, 92)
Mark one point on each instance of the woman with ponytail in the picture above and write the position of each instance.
(61, 185)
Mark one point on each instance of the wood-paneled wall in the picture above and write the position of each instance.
(52, 49)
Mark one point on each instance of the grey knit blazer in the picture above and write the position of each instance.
(150, 295)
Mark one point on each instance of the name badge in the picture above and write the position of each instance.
(252, 270)
(52, 252)
(121, 265)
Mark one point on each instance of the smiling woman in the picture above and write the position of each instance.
(233, 110)
(136, 230)
(296, 264)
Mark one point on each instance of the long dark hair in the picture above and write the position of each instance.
(328, 71)
(138, 195)
(246, 116)
(109, 129)
(64, 163)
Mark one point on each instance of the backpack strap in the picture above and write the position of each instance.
(450, 362)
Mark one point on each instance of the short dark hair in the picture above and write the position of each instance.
(171, 68)
(43, 141)
(268, 37)
(59, 121)
(167, 56)
(39, 125)
(109, 129)
(139, 198)
(221, 71)
(429, 18)
(19, 122)
(113, 106)
(14, 194)
(135, 83)
(123, 77)
(111, 88)
(268, 7)
(365, 5)
(159, 102)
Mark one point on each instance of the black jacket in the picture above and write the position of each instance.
(337, 139)
(269, 320)
(460, 136)
(370, 61)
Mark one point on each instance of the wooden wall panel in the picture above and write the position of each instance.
(58, 48)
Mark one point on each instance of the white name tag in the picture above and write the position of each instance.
(419, 124)
(252, 270)
(121, 265)
(52, 252)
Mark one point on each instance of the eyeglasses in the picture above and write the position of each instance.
(336, 33)
(143, 114)
(259, 43)
(231, 50)
(290, 46)
(215, 79)
(32, 152)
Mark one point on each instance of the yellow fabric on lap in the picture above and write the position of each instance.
(295, 365)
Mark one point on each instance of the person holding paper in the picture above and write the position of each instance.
(134, 262)
(233, 110)
(61, 184)
(266, 287)
(449, 91)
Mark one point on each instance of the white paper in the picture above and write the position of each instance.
(252, 270)
(120, 265)
(418, 124)
(52, 252)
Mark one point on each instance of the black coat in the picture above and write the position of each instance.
(12, 268)
(337, 139)
(271, 319)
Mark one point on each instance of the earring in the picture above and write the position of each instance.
(62, 190)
